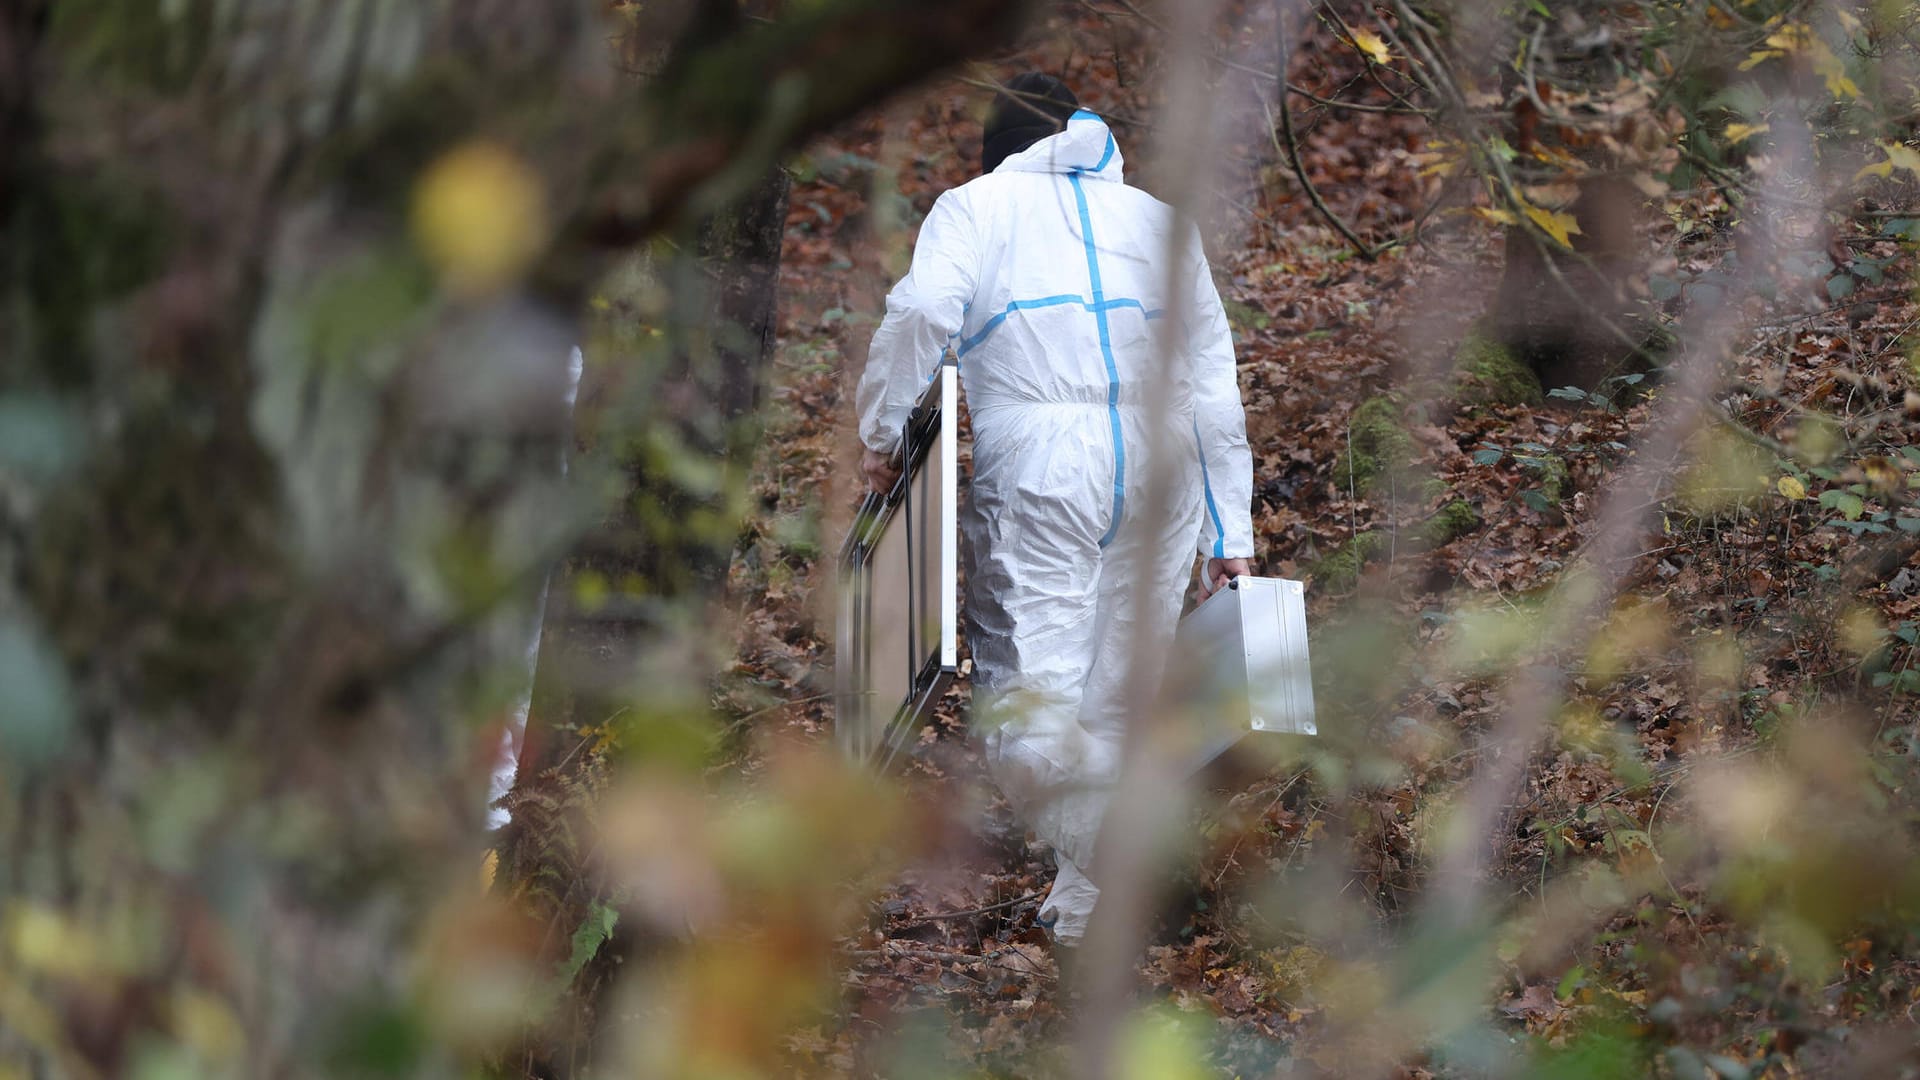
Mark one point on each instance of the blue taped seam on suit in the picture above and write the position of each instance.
(1085, 114)
(1098, 306)
(1206, 484)
(967, 344)
(1106, 352)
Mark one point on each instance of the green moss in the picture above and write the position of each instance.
(1555, 480)
(1485, 372)
(1340, 570)
(79, 242)
(1449, 523)
(1243, 316)
(1378, 445)
(134, 44)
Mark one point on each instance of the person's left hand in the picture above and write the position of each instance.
(881, 470)
(1220, 571)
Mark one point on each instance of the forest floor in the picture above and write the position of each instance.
(1764, 602)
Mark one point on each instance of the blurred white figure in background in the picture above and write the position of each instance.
(1044, 276)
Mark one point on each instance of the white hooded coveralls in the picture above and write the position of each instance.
(1047, 278)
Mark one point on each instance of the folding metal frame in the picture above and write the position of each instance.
(897, 646)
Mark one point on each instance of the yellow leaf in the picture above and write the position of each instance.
(591, 590)
(1440, 157)
(1832, 69)
(1739, 133)
(1799, 38)
(480, 216)
(1504, 217)
(489, 866)
(1899, 156)
(1838, 84)
(1791, 487)
(1555, 224)
(1369, 43)
(208, 1025)
(1758, 57)
(43, 939)
(1861, 631)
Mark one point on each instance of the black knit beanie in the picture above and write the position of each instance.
(1030, 108)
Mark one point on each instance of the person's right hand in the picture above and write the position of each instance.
(1218, 572)
(881, 470)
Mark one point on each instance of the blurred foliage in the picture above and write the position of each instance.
(287, 294)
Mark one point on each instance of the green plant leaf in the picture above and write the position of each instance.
(1851, 506)
(593, 932)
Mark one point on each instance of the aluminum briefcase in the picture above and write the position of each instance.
(1240, 665)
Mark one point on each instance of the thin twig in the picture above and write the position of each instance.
(1291, 151)
(893, 950)
(1027, 97)
(1274, 77)
(1373, 69)
(757, 713)
(942, 916)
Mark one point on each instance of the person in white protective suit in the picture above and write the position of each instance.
(1047, 278)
